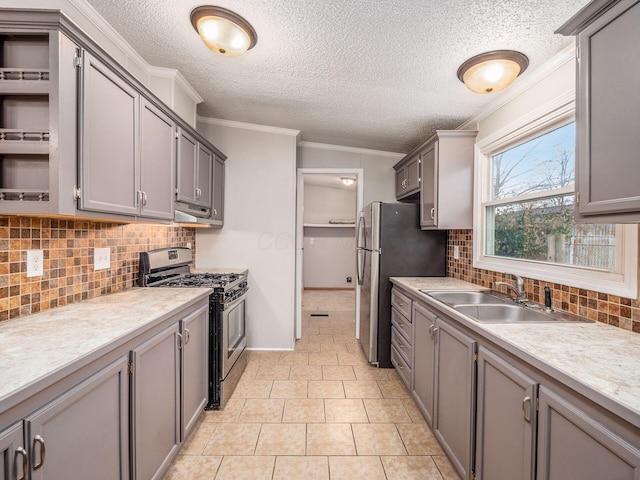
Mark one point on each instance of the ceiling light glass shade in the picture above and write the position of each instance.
(492, 71)
(347, 181)
(223, 31)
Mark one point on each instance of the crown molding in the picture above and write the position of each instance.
(99, 22)
(176, 77)
(523, 84)
(341, 148)
(248, 126)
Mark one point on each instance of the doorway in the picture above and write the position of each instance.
(328, 230)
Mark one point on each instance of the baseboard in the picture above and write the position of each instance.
(333, 289)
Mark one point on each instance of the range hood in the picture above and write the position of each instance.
(185, 213)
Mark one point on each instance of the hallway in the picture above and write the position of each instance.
(318, 412)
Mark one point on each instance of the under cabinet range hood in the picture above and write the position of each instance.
(185, 213)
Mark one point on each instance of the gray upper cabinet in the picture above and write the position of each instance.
(195, 334)
(14, 462)
(157, 162)
(128, 148)
(187, 168)
(217, 210)
(87, 138)
(446, 191)
(195, 171)
(607, 110)
(506, 420)
(574, 446)
(204, 176)
(110, 170)
(84, 433)
(455, 386)
(407, 176)
(156, 404)
(38, 98)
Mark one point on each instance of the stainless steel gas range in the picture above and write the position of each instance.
(172, 267)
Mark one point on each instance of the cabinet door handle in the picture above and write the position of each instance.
(435, 334)
(527, 400)
(433, 214)
(144, 199)
(38, 440)
(187, 336)
(180, 340)
(21, 452)
(215, 213)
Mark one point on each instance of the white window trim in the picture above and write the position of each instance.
(622, 282)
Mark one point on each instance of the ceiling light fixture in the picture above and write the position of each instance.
(223, 31)
(347, 181)
(491, 72)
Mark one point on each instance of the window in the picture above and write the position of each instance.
(524, 211)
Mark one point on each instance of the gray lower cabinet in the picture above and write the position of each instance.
(156, 404)
(195, 334)
(84, 433)
(14, 463)
(607, 140)
(454, 404)
(109, 170)
(574, 446)
(506, 420)
(424, 360)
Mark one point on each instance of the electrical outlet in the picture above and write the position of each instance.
(349, 279)
(35, 260)
(456, 252)
(188, 244)
(101, 258)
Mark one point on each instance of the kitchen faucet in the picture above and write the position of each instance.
(521, 295)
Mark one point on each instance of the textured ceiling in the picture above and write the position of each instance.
(377, 74)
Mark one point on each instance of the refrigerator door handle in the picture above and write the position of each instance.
(360, 253)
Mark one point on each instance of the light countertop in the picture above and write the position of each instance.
(35, 346)
(603, 358)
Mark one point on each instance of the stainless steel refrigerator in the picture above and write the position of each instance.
(390, 243)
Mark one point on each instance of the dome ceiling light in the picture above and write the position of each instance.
(491, 72)
(347, 181)
(223, 31)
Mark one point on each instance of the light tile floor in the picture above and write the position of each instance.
(319, 412)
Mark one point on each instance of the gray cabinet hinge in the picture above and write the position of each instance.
(537, 404)
(475, 358)
(77, 193)
(577, 198)
(129, 368)
(473, 475)
(177, 133)
(77, 59)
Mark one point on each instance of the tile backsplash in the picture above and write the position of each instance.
(611, 309)
(68, 246)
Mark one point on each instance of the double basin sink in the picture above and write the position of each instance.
(495, 307)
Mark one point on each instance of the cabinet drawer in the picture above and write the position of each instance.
(402, 367)
(402, 323)
(402, 303)
(402, 345)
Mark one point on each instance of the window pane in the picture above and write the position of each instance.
(543, 163)
(544, 230)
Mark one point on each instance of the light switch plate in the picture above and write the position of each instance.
(101, 258)
(35, 260)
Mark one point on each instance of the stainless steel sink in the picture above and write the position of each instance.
(465, 298)
(504, 314)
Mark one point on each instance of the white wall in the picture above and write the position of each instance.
(328, 252)
(259, 228)
(379, 180)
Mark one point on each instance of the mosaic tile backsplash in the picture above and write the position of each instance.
(68, 259)
(611, 309)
